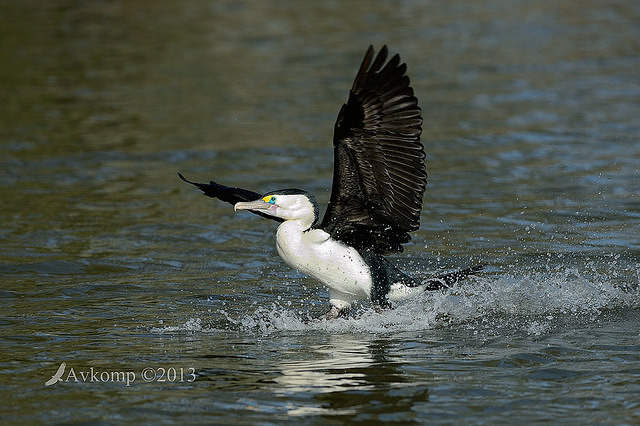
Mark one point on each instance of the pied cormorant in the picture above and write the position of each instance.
(379, 178)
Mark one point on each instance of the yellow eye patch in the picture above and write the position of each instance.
(271, 199)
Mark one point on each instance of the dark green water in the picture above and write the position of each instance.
(113, 266)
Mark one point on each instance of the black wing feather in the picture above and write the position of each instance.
(379, 172)
(229, 194)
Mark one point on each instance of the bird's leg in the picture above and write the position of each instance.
(380, 308)
(333, 313)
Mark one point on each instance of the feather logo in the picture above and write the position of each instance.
(57, 377)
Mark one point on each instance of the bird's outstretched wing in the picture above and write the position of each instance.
(229, 194)
(379, 173)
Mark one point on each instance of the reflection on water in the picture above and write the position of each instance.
(531, 120)
(340, 364)
(341, 373)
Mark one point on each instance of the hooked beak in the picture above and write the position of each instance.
(258, 205)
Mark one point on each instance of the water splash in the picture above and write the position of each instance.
(534, 303)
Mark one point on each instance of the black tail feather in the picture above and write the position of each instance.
(450, 278)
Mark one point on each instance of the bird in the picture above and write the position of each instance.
(379, 180)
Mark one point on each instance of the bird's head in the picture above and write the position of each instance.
(287, 204)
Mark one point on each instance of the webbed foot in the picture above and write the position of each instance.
(332, 313)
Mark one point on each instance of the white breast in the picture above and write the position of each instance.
(336, 265)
